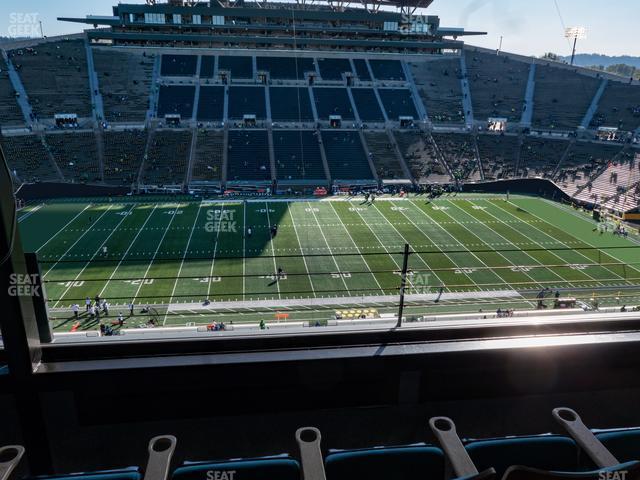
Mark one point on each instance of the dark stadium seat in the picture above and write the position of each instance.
(256, 469)
(55, 76)
(387, 69)
(297, 155)
(179, 65)
(211, 104)
(207, 64)
(367, 105)
(398, 102)
(438, 83)
(125, 81)
(362, 71)
(132, 473)
(333, 101)
(247, 101)
(248, 156)
(345, 155)
(290, 104)
(623, 444)
(333, 68)
(548, 452)
(240, 67)
(285, 68)
(397, 463)
(176, 99)
(9, 109)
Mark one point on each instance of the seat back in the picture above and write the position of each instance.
(624, 471)
(625, 445)
(254, 469)
(549, 452)
(397, 463)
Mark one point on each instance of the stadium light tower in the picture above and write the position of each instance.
(576, 33)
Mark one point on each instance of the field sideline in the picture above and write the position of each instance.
(185, 252)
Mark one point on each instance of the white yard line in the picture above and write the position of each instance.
(98, 250)
(76, 242)
(30, 212)
(382, 244)
(562, 279)
(273, 251)
(357, 248)
(244, 249)
(304, 258)
(184, 256)
(135, 296)
(338, 271)
(127, 251)
(213, 260)
(431, 241)
(589, 261)
(495, 250)
(63, 228)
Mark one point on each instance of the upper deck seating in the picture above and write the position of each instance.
(439, 86)
(285, 68)
(10, 113)
(240, 67)
(562, 97)
(297, 155)
(176, 99)
(334, 68)
(367, 105)
(125, 79)
(333, 101)
(387, 69)
(362, 71)
(398, 102)
(498, 85)
(619, 107)
(178, 65)
(290, 104)
(247, 101)
(211, 104)
(207, 65)
(55, 77)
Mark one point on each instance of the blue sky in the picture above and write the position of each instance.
(530, 27)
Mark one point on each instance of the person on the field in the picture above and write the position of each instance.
(104, 250)
(120, 320)
(131, 313)
(105, 308)
(87, 303)
(74, 309)
(249, 232)
(280, 273)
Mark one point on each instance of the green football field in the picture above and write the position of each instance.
(467, 252)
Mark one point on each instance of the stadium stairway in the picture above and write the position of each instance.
(422, 111)
(467, 105)
(593, 108)
(529, 96)
(23, 98)
(94, 85)
(154, 91)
